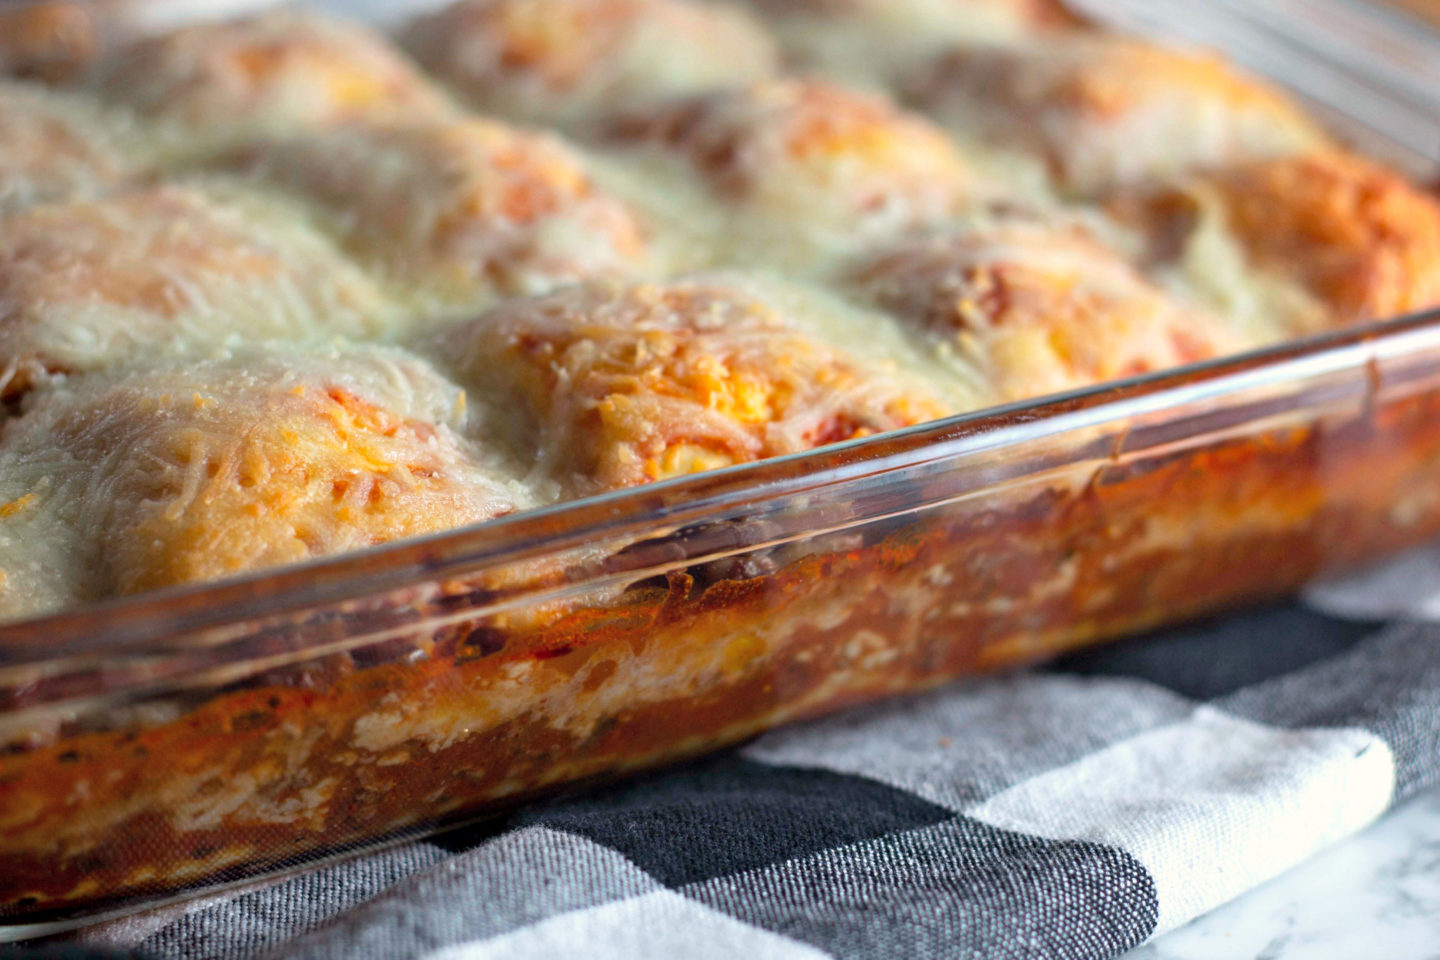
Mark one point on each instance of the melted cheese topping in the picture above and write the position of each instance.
(88, 284)
(1038, 311)
(627, 385)
(461, 210)
(196, 247)
(1296, 245)
(567, 61)
(1103, 111)
(167, 476)
(802, 161)
(279, 72)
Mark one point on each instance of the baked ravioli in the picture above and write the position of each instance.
(1296, 245)
(1037, 310)
(457, 210)
(803, 160)
(624, 385)
(158, 477)
(92, 283)
(569, 62)
(1102, 110)
(280, 71)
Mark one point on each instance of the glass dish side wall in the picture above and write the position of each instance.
(795, 588)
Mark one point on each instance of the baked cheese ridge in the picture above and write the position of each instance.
(277, 287)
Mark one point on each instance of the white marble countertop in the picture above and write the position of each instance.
(1375, 895)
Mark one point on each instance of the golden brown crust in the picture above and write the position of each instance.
(282, 481)
(1038, 310)
(275, 72)
(1103, 110)
(464, 208)
(808, 152)
(567, 61)
(633, 384)
(1357, 238)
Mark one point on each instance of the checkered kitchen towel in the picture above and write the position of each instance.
(1070, 813)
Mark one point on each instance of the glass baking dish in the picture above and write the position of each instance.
(201, 736)
(197, 737)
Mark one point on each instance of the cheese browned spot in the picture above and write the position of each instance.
(89, 284)
(567, 61)
(807, 156)
(1104, 110)
(464, 209)
(1325, 240)
(279, 71)
(1038, 310)
(56, 145)
(630, 384)
(180, 474)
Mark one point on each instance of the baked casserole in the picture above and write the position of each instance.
(282, 287)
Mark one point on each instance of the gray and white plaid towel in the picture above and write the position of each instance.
(1070, 813)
